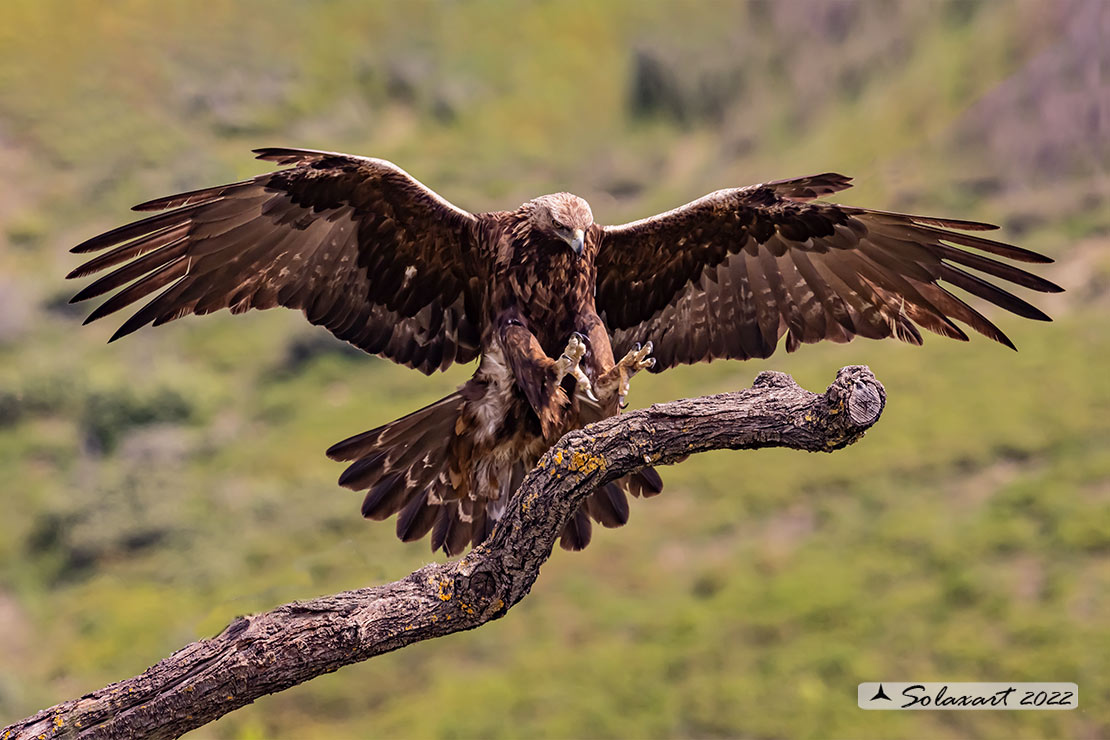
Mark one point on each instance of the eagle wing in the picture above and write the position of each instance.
(728, 274)
(359, 245)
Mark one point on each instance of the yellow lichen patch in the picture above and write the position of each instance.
(529, 500)
(445, 590)
(584, 462)
(58, 721)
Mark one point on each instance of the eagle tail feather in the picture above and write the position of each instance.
(404, 468)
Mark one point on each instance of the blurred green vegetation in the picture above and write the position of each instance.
(157, 487)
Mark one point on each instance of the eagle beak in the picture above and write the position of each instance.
(578, 243)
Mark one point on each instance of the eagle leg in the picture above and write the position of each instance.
(569, 363)
(617, 379)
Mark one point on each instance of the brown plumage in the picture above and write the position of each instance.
(543, 296)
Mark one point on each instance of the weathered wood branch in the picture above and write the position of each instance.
(266, 653)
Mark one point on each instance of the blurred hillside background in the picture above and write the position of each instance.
(155, 488)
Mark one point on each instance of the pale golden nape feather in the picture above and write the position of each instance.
(565, 210)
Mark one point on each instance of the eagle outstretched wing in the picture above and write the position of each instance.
(728, 274)
(358, 244)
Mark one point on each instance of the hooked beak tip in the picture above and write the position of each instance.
(578, 243)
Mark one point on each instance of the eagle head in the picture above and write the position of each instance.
(561, 216)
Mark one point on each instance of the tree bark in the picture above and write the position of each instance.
(266, 653)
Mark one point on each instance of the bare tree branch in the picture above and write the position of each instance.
(266, 653)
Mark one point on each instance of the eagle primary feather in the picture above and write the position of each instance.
(543, 296)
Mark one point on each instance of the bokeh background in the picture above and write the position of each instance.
(155, 488)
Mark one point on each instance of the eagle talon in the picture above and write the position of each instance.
(585, 384)
(636, 360)
(568, 364)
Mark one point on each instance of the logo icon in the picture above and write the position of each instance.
(880, 694)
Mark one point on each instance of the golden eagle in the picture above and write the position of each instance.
(545, 298)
